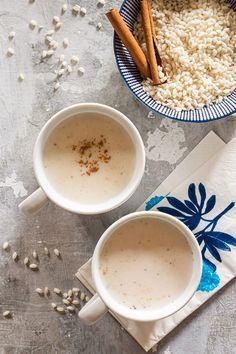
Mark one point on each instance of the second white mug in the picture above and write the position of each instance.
(173, 254)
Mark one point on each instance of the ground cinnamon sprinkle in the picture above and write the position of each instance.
(92, 153)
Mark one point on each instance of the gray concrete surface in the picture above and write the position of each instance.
(24, 108)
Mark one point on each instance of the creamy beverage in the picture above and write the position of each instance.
(89, 158)
(147, 263)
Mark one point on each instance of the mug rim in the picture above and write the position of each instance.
(168, 310)
(76, 207)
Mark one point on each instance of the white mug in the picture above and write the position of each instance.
(103, 301)
(46, 190)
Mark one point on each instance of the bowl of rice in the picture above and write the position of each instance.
(197, 44)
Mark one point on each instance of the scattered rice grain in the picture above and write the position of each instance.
(64, 64)
(99, 26)
(10, 52)
(53, 44)
(26, 261)
(60, 309)
(71, 308)
(15, 256)
(50, 52)
(69, 68)
(64, 8)
(48, 40)
(5, 246)
(75, 291)
(60, 73)
(65, 42)
(50, 32)
(39, 291)
(7, 314)
(44, 54)
(83, 11)
(11, 35)
(21, 77)
(32, 24)
(57, 252)
(33, 266)
(74, 60)
(55, 19)
(81, 70)
(101, 3)
(76, 9)
(75, 302)
(70, 293)
(35, 255)
(46, 251)
(46, 291)
(66, 302)
(57, 291)
(58, 26)
(82, 296)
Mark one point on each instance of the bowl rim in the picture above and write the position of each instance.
(115, 37)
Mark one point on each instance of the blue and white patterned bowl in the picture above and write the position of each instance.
(131, 75)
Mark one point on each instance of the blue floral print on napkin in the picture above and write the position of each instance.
(154, 201)
(194, 212)
(209, 280)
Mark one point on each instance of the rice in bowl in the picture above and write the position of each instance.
(197, 44)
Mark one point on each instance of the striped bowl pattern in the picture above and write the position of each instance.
(129, 72)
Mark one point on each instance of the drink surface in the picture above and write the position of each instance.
(147, 263)
(89, 158)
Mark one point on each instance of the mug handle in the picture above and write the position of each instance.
(93, 311)
(33, 203)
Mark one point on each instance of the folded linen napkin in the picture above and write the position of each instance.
(205, 201)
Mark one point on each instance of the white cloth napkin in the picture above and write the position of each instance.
(201, 191)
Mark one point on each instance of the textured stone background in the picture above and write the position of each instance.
(24, 108)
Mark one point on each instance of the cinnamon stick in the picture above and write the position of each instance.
(129, 41)
(151, 22)
(148, 33)
(159, 61)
